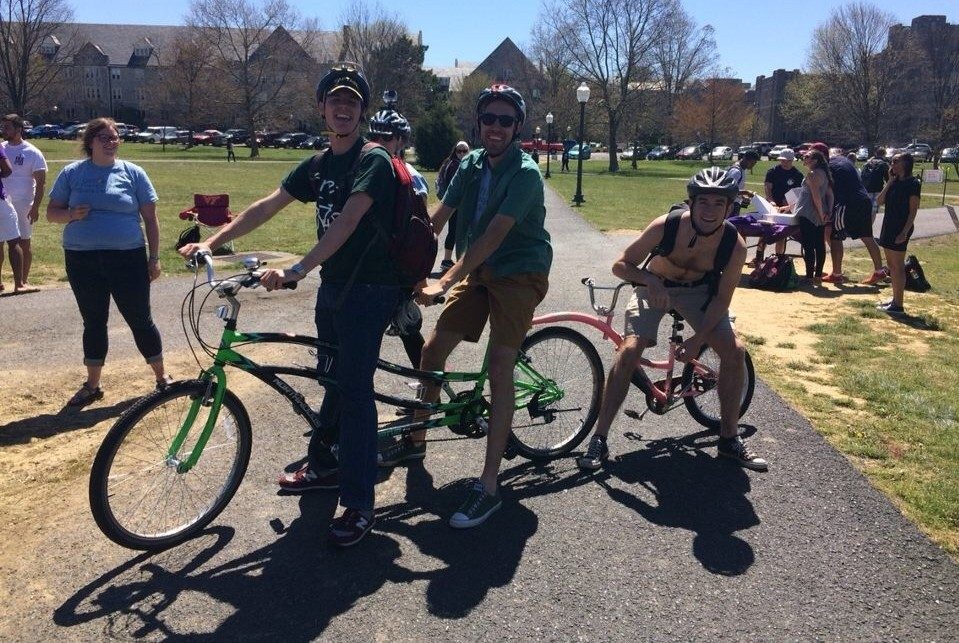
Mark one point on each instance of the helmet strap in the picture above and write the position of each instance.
(697, 233)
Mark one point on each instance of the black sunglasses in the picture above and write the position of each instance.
(504, 120)
(379, 136)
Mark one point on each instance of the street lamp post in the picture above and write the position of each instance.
(549, 139)
(582, 95)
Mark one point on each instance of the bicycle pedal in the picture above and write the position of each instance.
(510, 452)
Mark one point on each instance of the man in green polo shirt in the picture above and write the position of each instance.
(504, 259)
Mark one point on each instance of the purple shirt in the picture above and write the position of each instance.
(3, 191)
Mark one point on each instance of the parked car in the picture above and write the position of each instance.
(749, 147)
(207, 137)
(574, 151)
(949, 155)
(237, 136)
(158, 134)
(540, 145)
(762, 147)
(722, 152)
(291, 139)
(313, 143)
(660, 153)
(128, 132)
(627, 153)
(45, 131)
(919, 151)
(773, 153)
(72, 132)
(263, 138)
(691, 153)
(862, 153)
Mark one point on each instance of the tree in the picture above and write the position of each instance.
(803, 110)
(463, 102)
(858, 71)
(435, 135)
(30, 55)
(257, 54)
(559, 92)
(368, 30)
(682, 56)
(399, 66)
(610, 44)
(714, 112)
(187, 82)
(939, 51)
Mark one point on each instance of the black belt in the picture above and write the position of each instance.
(669, 283)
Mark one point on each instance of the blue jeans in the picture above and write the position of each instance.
(357, 329)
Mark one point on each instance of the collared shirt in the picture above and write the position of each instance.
(516, 191)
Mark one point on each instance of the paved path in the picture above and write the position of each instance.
(668, 543)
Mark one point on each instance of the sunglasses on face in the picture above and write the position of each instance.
(462, 151)
(504, 120)
(378, 136)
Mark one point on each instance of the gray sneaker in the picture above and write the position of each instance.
(477, 507)
(736, 449)
(596, 453)
(396, 451)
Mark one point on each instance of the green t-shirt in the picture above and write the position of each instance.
(515, 190)
(374, 176)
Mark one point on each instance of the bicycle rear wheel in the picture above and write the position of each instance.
(138, 496)
(705, 407)
(559, 384)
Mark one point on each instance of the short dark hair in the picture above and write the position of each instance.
(15, 119)
(880, 152)
(907, 160)
(749, 155)
(94, 127)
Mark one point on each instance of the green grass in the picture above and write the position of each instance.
(901, 388)
(177, 174)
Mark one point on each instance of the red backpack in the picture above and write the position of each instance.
(411, 242)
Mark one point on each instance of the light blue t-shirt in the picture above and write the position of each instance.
(114, 194)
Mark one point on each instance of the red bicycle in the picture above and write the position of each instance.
(695, 387)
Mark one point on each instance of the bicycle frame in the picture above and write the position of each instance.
(441, 414)
(662, 391)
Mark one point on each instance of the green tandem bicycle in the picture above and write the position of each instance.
(173, 461)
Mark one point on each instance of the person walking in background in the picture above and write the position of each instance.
(230, 155)
(25, 187)
(901, 196)
(9, 229)
(812, 208)
(874, 175)
(443, 180)
(101, 201)
(565, 159)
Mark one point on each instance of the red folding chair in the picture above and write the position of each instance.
(209, 211)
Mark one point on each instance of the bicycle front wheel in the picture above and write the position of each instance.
(705, 407)
(559, 385)
(139, 494)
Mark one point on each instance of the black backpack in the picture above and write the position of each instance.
(723, 253)
(915, 276)
(872, 176)
(411, 241)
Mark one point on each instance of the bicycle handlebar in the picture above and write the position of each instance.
(251, 280)
(592, 287)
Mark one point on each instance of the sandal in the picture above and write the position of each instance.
(85, 395)
(164, 382)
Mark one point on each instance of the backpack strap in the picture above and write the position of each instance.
(724, 253)
(668, 242)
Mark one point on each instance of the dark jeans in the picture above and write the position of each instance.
(97, 275)
(348, 408)
(813, 246)
(450, 233)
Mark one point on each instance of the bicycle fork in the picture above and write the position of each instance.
(212, 397)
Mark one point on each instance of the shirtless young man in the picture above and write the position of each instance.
(683, 280)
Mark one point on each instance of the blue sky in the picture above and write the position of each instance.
(752, 41)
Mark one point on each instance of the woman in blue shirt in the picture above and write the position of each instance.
(101, 200)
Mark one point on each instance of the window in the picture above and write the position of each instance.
(115, 73)
(117, 93)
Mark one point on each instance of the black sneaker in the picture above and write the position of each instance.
(596, 453)
(401, 450)
(350, 527)
(736, 449)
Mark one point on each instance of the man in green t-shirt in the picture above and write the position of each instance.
(504, 256)
(358, 293)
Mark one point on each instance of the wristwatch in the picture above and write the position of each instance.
(299, 269)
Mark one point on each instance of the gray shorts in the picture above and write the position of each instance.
(642, 320)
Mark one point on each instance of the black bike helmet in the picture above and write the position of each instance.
(389, 121)
(501, 92)
(712, 180)
(344, 76)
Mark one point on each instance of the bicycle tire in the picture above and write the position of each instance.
(564, 356)
(704, 408)
(138, 498)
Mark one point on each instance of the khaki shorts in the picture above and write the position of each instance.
(508, 302)
(642, 319)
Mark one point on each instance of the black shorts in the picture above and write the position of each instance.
(853, 220)
(891, 227)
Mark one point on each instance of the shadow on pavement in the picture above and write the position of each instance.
(691, 490)
(67, 419)
(292, 588)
